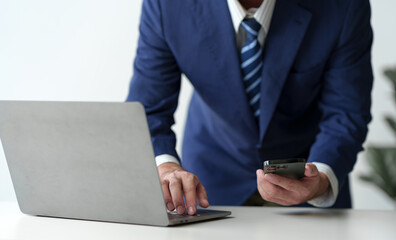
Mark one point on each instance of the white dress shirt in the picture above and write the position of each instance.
(263, 15)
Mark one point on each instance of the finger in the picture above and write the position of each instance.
(175, 188)
(271, 192)
(167, 195)
(296, 191)
(190, 183)
(311, 170)
(261, 184)
(202, 196)
(283, 182)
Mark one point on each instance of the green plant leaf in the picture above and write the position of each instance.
(382, 162)
(392, 123)
(391, 75)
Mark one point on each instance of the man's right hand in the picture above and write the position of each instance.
(175, 182)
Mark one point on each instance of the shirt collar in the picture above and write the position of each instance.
(263, 14)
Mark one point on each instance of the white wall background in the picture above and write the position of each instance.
(83, 50)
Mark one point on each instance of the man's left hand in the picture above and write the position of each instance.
(286, 191)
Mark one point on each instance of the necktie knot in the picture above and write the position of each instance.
(251, 26)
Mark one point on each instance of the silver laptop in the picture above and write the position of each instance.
(83, 160)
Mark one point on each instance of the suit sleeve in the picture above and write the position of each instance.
(156, 79)
(346, 94)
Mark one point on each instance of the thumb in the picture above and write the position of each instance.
(311, 170)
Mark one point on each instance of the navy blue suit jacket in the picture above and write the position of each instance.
(315, 89)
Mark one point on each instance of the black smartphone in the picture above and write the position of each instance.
(290, 168)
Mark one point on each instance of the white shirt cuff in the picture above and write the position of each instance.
(164, 158)
(328, 198)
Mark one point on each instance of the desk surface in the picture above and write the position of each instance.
(244, 223)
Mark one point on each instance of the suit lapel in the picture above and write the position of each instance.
(287, 29)
(288, 26)
(218, 33)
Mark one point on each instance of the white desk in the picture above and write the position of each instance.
(245, 223)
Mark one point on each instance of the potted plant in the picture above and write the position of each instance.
(382, 160)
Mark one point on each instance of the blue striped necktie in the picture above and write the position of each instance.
(251, 64)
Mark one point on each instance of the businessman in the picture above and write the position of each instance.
(272, 79)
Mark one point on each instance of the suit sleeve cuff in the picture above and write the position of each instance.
(328, 198)
(164, 158)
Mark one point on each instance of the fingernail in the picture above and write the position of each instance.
(170, 206)
(191, 210)
(180, 210)
(268, 176)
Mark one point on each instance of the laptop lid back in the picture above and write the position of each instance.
(82, 160)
